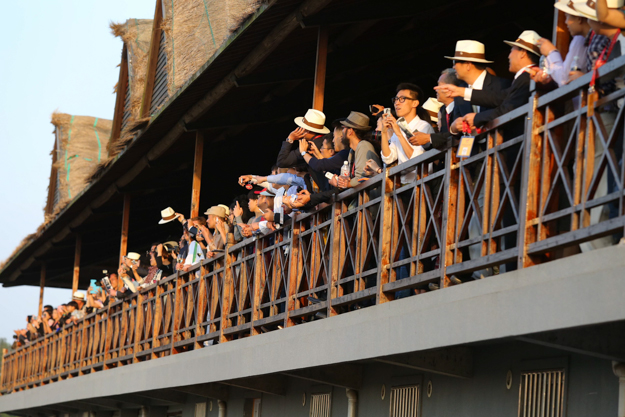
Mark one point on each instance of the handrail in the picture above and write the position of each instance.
(532, 189)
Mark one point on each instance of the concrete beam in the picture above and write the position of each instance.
(347, 375)
(159, 397)
(213, 391)
(456, 361)
(267, 384)
(603, 341)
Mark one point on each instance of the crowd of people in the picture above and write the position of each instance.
(316, 162)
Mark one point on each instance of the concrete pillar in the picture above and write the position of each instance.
(352, 402)
(222, 408)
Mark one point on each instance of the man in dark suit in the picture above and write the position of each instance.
(523, 57)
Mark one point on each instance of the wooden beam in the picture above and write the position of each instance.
(42, 283)
(155, 44)
(561, 34)
(456, 361)
(76, 263)
(197, 174)
(120, 99)
(123, 247)
(346, 375)
(320, 68)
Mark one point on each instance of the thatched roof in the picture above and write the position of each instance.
(80, 145)
(136, 35)
(195, 30)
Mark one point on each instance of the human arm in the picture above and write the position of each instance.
(363, 153)
(289, 154)
(613, 17)
(518, 95)
(332, 164)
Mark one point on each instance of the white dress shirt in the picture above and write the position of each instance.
(397, 151)
(558, 69)
(478, 84)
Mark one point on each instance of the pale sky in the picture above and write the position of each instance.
(55, 55)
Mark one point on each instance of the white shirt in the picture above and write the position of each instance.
(194, 255)
(478, 84)
(450, 107)
(522, 70)
(397, 151)
(559, 70)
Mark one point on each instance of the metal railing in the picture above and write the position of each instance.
(545, 179)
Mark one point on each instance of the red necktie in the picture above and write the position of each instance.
(447, 116)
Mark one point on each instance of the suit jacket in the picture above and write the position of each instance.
(442, 139)
(515, 96)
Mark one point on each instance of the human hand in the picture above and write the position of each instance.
(419, 139)
(180, 217)
(334, 181)
(314, 151)
(244, 179)
(237, 211)
(344, 182)
(303, 146)
(303, 198)
(574, 75)
(450, 90)
(210, 254)
(469, 119)
(371, 168)
(539, 76)
(297, 134)
(246, 229)
(546, 47)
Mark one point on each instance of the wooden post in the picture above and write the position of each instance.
(125, 222)
(76, 263)
(42, 283)
(197, 174)
(384, 265)
(320, 68)
(561, 34)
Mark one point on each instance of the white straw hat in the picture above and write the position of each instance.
(589, 7)
(432, 106)
(314, 120)
(472, 51)
(528, 40)
(168, 215)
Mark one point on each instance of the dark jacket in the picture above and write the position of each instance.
(290, 155)
(515, 96)
(332, 165)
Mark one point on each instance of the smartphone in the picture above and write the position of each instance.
(387, 111)
(329, 175)
(107, 283)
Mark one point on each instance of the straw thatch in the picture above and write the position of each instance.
(81, 143)
(196, 29)
(136, 35)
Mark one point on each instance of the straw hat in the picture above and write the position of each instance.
(568, 7)
(356, 120)
(168, 215)
(528, 40)
(314, 120)
(226, 209)
(217, 211)
(472, 51)
(432, 105)
(589, 8)
(133, 256)
(78, 296)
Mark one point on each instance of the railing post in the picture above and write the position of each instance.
(138, 326)
(337, 237)
(295, 269)
(177, 313)
(201, 304)
(530, 184)
(76, 264)
(3, 373)
(258, 283)
(109, 336)
(384, 264)
(453, 208)
(226, 294)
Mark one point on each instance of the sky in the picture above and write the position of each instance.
(56, 55)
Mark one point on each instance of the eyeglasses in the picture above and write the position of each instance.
(401, 99)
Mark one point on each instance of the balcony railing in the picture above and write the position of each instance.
(548, 178)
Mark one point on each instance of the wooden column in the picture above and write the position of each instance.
(42, 283)
(320, 68)
(76, 263)
(197, 174)
(561, 34)
(123, 247)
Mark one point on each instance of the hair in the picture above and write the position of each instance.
(48, 307)
(200, 219)
(274, 168)
(252, 195)
(450, 76)
(417, 94)
(533, 57)
(242, 200)
(302, 167)
(73, 304)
